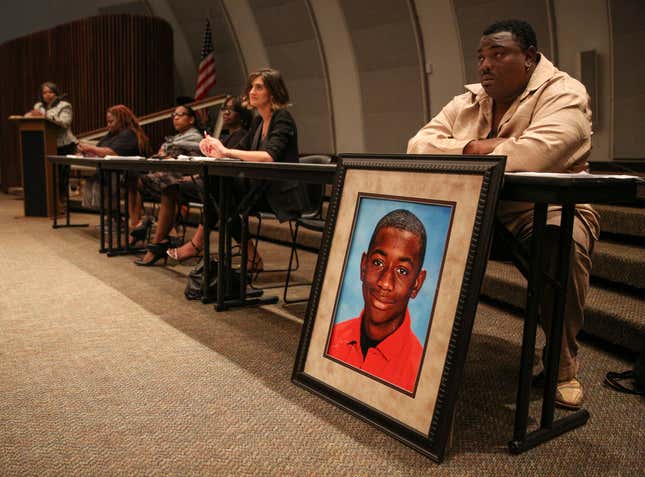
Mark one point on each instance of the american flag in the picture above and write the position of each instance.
(206, 72)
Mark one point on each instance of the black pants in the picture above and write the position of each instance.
(63, 178)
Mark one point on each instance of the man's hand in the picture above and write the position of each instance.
(483, 146)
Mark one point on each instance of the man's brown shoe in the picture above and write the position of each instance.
(569, 394)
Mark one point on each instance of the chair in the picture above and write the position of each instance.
(310, 219)
(309, 213)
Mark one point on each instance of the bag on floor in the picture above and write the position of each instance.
(193, 290)
(91, 193)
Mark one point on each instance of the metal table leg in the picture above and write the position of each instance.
(102, 248)
(548, 427)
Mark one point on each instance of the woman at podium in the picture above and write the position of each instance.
(52, 107)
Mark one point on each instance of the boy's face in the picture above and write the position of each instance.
(391, 275)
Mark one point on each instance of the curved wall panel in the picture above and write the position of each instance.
(293, 48)
(628, 34)
(386, 54)
(190, 17)
(98, 61)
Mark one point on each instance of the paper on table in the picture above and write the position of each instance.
(580, 175)
(124, 157)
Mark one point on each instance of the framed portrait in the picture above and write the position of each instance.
(396, 288)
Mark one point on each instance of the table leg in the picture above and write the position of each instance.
(56, 187)
(110, 215)
(222, 270)
(57, 179)
(537, 274)
(102, 209)
(210, 206)
(535, 291)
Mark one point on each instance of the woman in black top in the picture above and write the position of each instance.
(124, 138)
(272, 136)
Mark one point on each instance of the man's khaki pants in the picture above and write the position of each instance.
(577, 288)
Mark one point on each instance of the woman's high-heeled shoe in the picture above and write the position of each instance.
(140, 232)
(177, 254)
(158, 251)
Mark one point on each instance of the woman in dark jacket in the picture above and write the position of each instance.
(272, 137)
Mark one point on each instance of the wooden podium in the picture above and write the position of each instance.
(36, 141)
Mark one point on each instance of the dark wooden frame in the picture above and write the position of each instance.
(431, 443)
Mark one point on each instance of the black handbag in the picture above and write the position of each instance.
(193, 290)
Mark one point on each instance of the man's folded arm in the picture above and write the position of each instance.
(557, 140)
(436, 136)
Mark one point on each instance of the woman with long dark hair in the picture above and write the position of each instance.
(272, 136)
(124, 138)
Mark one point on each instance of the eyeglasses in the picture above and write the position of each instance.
(175, 115)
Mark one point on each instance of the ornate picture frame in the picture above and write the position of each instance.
(396, 288)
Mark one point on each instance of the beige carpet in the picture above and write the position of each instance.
(105, 369)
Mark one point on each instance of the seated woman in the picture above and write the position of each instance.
(124, 138)
(185, 142)
(273, 136)
(190, 188)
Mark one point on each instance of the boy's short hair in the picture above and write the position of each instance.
(403, 220)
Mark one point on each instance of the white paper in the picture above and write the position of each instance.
(577, 175)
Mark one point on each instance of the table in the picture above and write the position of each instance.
(109, 171)
(541, 189)
(223, 170)
(565, 190)
(57, 162)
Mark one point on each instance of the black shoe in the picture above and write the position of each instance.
(539, 380)
(140, 232)
(158, 251)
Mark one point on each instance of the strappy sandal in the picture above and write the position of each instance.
(624, 382)
(255, 266)
(175, 254)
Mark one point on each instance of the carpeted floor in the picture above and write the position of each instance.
(105, 369)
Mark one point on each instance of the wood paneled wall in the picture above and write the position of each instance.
(98, 61)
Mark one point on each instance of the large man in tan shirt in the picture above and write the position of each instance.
(539, 117)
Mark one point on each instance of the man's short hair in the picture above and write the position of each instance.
(403, 220)
(522, 31)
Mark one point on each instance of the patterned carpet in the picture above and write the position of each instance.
(105, 369)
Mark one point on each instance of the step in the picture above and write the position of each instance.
(615, 316)
(621, 220)
(619, 263)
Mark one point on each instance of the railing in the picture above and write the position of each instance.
(164, 114)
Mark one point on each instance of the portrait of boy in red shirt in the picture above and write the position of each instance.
(380, 341)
